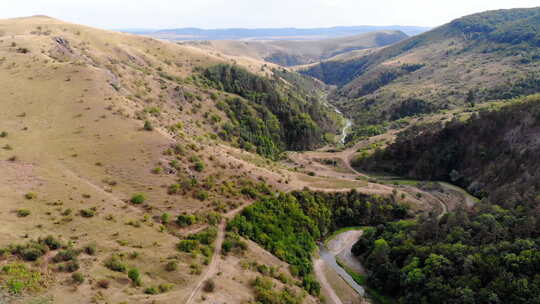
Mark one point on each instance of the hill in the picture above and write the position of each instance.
(463, 255)
(494, 154)
(272, 33)
(291, 53)
(120, 158)
(472, 59)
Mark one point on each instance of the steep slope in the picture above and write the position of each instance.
(469, 255)
(472, 59)
(291, 53)
(108, 146)
(493, 154)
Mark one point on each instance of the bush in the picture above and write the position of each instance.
(70, 266)
(171, 266)
(30, 195)
(185, 220)
(90, 249)
(199, 166)
(30, 251)
(188, 245)
(165, 218)
(115, 264)
(164, 287)
(23, 212)
(138, 199)
(202, 195)
(87, 212)
(151, 291)
(209, 285)
(135, 276)
(148, 126)
(18, 278)
(103, 283)
(51, 242)
(77, 277)
(3, 134)
(173, 189)
(65, 255)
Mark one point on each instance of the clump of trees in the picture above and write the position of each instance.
(487, 255)
(290, 224)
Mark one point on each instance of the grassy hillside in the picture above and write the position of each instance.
(111, 166)
(291, 53)
(476, 58)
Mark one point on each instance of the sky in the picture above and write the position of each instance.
(159, 14)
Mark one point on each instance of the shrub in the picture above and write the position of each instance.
(165, 218)
(151, 291)
(164, 287)
(171, 266)
(199, 166)
(51, 242)
(30, 195)
(70, 266)
(202, 195)
(188, 245)
(138, 199)
(103, 283)
(135, 276)
(148, 126)
(90, 249)
(3, 134)
(87, 212)
(185, 220)
(77, 277)
(23, 212)
(30, 251)
(65, 255)
(115, 264)
(209, 285)
(173, 189)
(18, 278)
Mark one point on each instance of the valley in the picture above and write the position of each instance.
(375, 168)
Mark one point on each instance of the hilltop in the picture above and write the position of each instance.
(291, 53)
(472, 59)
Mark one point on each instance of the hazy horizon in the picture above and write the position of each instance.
(222, 14)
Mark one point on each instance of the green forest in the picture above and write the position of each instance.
(489, 254)
(486, 255)
(494, 154)
(289, 225)
(270, 116)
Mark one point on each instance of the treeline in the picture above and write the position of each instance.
(494, 154)
(270, 116)
(487, 255)
(289, 225)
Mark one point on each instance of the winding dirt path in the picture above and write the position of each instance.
(341, 247)
(318, 266)
(211, 270)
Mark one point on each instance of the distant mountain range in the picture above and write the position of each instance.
(272, 33)
(476, 58)
(293, 52)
